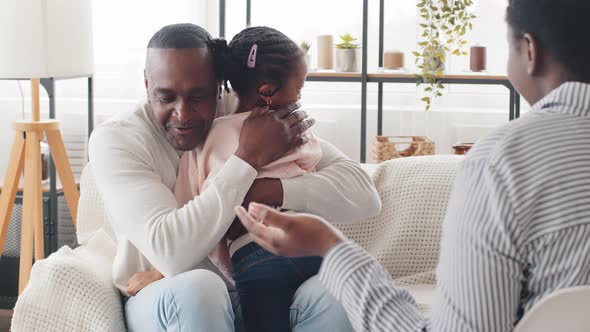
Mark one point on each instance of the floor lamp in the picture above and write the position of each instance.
(41, 39)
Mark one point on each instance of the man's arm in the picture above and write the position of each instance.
(339, 191)
(145, 211)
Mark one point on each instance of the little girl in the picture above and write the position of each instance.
(264, 67)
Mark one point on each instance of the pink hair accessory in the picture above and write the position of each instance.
(252, 56)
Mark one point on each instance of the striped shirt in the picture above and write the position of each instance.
(517, 228)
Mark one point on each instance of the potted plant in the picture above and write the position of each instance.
(347, 55)
(305, 46)
(445, 24)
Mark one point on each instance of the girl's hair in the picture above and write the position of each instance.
(560, 27)
(276, 57)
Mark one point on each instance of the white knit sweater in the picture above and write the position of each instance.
(135, 168)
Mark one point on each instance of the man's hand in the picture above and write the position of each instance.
(289, 234)
(142, 279)
(267, 135)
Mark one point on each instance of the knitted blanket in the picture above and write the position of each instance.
(72, 290)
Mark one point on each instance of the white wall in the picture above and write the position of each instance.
(121, 34)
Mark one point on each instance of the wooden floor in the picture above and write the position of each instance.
(5, 316)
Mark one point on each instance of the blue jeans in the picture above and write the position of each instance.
(266, 285)
(198, 300)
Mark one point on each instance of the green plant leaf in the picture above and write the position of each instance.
(347, 40)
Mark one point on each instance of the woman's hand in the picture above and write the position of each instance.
(267, 135)
(289, 234)
(142, 279)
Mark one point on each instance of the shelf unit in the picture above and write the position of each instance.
(380, 78)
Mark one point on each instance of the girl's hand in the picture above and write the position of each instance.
(142, 279)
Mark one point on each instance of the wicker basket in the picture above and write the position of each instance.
(387, 147)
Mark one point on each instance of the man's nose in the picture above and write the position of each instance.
(182, 110)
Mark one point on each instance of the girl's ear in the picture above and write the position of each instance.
(266, 91)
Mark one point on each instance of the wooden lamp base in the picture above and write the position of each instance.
(26, 154)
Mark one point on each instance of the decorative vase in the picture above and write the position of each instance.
(325, 52)
(462, 148)
(308, 61)
(347, 59)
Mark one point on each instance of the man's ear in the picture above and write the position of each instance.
(266, 91)
(533, 53)
(145, 82)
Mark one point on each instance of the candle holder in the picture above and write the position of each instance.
(393, 60)
(325, 52)
(477, 58)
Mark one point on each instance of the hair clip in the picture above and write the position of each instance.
(252, 56)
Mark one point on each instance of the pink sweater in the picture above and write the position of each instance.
(203, 163)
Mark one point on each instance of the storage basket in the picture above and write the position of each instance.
(391, 147)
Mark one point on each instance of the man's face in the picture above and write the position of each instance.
(182, 92)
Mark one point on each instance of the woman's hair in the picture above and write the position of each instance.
(561, 28)
(276, 57)
(187, 35)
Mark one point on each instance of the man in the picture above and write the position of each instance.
(135, 158)
(518, 221)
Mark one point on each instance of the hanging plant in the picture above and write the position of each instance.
(445, 24)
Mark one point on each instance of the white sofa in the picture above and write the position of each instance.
(71, 289)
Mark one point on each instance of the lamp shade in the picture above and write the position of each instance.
(46, 38)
